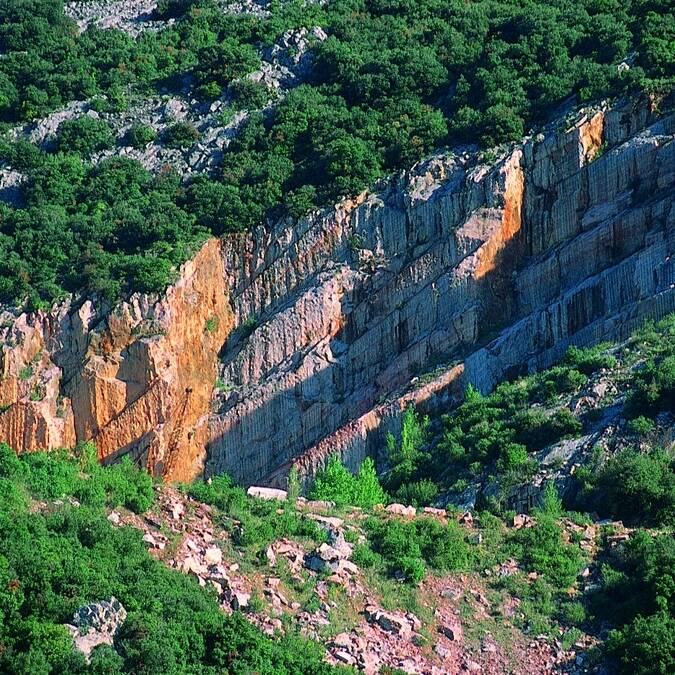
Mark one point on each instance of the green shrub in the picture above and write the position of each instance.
(139, 135)
(536, 430)
(572, 613)
(646, 646)
(558, 380)
(654, 387)
(541, 549)
(637, 597)
(218, 491)
(337, 484)
(419, 493)
(365, 557)
(641, 425)
(54, 560)
(249, 95)
(84, 135)
(211, 324)
(590, 359)
(405, 546)
(406, 457)
(635, 487)
(180, 135)
(259, 522)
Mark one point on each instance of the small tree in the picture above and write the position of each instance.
(337, 484)
(293, 485)
(368, 490)
(334, 483)
(405, 457)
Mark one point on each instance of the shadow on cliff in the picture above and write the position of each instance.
(261, 443)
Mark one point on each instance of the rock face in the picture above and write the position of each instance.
(136, 380)
(492, 271)
(323, 331)
(97, 624)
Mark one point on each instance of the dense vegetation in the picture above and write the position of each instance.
(494, 440)
(59, 552)
(638, 596)
(393, 81)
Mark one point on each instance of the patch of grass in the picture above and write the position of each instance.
(211, 324)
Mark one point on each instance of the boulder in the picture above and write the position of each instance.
(240, 600)
(401, 510)
(96, 624)
(213, 556)
(266, 493)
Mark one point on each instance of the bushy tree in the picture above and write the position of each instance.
(337, 484)
(84, 135)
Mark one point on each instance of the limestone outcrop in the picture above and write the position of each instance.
(456, 272)
(318, 333)
(136, 379)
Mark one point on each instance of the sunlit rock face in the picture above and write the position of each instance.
(135, 380)
(489, 271)
(304, 339)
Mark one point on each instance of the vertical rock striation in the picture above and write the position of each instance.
(322, 331)
(486, 272)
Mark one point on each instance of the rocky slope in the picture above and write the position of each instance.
(457, 623)
(463, 270)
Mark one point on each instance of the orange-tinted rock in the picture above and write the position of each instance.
(138, 378)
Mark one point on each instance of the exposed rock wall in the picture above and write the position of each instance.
(136, 380)
(321, 332)
(568, 239)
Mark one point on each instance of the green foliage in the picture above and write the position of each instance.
(638, 596)
(337, 484)
(111, 227)
(55, 559)
(418, 493)
(393, 82)
(646, 646)
(249, 95)
(294, 487)
(541, 549)
(497, 433)
(551, 504)
(26, 372)
(223, 62)
(180, 135)
(635, 487)
(641, 425)
(84, 135)
(408, 546)
(139, 135)
(259, 524)
(572, 613)
(211, 324)
(218, 491)
(590, 359)
(55, 475)
(405, 457)
(654, 386)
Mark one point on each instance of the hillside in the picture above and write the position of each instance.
(424, 590)
(337, 336)
(135, 128)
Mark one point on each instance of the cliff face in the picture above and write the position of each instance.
(490, 271)
(322, 331)
(136, 380)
